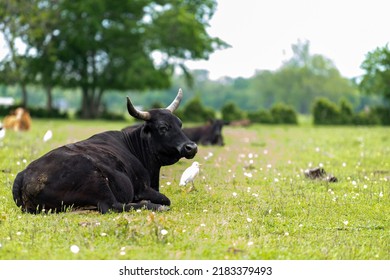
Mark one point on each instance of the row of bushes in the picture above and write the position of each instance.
(194, 111)
(326, 112)
(55, 113)
(279, 114)
(35, 112)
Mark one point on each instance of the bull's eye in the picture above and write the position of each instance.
(163, 129)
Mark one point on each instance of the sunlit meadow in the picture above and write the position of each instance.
(251, 200)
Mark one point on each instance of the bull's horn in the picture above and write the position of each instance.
(175, 103)
(141, 115)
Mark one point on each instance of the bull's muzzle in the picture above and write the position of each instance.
(189, 150)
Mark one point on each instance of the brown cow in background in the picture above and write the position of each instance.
(18, 120)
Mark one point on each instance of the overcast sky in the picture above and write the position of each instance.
(261, 33)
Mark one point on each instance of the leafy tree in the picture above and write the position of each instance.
(14, 26)
(101, 45)
(377, 76)
(306, 77)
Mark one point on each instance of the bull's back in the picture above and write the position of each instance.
(50, 179)
(81, 174)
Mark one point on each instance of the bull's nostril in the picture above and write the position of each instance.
(191, 147)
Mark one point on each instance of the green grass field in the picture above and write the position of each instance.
(252, 200)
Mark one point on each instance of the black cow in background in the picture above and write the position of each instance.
(209, 134)
(113, 170)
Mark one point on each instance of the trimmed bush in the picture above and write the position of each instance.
(383, 114)
(325, 112)
(366, 118)
(284, 114)
(346, 112)
(261, 116)
(194, 111)
(231, 112)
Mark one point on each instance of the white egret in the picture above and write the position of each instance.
(189, 174)
(48, 135)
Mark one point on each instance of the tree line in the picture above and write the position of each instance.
(306, 83)
(86, 56)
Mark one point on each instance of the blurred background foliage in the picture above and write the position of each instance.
(81, 58)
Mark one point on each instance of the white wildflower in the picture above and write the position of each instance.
(164, 232)
(74, 249)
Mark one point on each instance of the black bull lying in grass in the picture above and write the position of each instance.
(113, 170)
(209, 134)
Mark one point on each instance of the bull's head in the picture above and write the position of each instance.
(163, 130)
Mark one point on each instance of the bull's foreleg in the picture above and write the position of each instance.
(153, 196)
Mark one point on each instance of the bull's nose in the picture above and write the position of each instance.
(190, 149)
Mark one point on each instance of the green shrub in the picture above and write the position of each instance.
(194, 111)
(283, 114)
(383, 114)
(366, 118)
(326, 112)
(36, 112)
(231, 112)
(112, 116)
(346, 112)
(261, 116)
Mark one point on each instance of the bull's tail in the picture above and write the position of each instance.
(17, 190)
